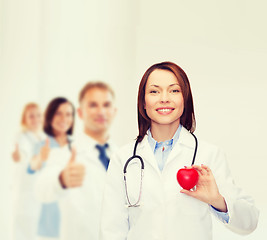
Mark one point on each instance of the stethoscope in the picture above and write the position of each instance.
(134, 156)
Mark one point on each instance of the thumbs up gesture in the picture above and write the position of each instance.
(16, 154)
(44, 151)
(73, 174)
(37, 161)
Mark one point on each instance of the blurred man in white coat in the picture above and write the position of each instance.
(76, 177)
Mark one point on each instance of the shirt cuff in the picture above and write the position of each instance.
(29, 170)
(222, 216)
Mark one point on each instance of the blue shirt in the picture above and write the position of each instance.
(162, 149)
(161, 152)
(49, 221)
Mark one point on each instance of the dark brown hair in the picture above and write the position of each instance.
(188, 117)
(96, 84)
(50, 113)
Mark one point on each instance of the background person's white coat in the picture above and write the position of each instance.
(80, 207)
(25, 210)
(50, 48)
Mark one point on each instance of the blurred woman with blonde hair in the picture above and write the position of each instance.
(25, 208)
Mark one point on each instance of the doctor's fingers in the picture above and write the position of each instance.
(16, 156)
(76, 174)
(73, 180)
(200, 170)
(75, 183)
(16, 148)
(44, 153)
(75, 165)
(207, 169)
(77, 170)
(47, 142)
(46, 147)
(76, 180)
(189, 193)
(73, 154)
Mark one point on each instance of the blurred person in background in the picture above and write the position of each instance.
(25, 209)
(77, 179)
(58, 126)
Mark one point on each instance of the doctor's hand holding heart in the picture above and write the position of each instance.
(166, 123)
(206, 188)
(73, 174)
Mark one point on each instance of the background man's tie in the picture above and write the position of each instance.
(102, 154)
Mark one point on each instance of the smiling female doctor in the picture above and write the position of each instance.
(152, 205)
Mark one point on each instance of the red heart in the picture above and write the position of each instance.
(187, 178)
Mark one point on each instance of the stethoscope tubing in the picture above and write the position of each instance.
(134, 156)
(195, 152)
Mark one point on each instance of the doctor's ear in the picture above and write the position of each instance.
(79, 112)
(115, 111)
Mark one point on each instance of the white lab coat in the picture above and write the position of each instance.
(25, 208)
(80, 207)
(164, 212)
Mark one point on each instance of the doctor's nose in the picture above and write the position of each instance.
(101, 110)
(164, 97)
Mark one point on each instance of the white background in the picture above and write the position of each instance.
(52, 48)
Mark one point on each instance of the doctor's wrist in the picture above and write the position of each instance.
(219, 203)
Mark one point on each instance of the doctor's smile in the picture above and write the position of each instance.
(164, 111)
(101, 120)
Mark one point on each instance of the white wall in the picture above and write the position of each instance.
(51, 48)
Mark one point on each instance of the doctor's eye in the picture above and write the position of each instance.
(92, 104)
(58, 113)
(153, 91)
(175, 91)
(69, 114)
(107, 104)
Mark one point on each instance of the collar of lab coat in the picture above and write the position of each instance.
(86, 143)
(186, 140)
